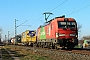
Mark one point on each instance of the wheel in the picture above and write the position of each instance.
(56, 47)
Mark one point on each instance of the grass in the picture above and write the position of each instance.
(78, 46)
(41, 58)
(33, 56)
(24, 54)
(6, 55)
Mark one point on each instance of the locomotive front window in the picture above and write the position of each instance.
(71, 24)
(61, 24)
(66, 24)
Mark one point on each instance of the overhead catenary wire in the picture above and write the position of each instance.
(37, 20)
(22, 23)
(50, 11)
(67, 14)
(58, 5)
(78, 10)
(71, 12)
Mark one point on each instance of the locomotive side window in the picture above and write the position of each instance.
(61, 24)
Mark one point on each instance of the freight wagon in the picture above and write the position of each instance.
(17, 40)
(59, 32)
(28, 37)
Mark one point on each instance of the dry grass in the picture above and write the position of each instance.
(6, 55)
(25, 54)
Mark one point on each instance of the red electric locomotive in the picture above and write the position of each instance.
(59, 32)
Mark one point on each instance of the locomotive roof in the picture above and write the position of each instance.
(46, 23)
(61, 18)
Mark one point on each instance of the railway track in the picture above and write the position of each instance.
(0, 53)
(5, 54)
(73, 54)
(74, 50)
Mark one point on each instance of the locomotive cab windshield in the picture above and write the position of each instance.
(69, 24)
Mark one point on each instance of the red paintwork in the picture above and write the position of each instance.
(52, 28)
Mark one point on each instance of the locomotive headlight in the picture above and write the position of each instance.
(56, 34)
(72, 34)
(61, 34)
(76, 36)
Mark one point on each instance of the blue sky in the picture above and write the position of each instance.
(32, 11)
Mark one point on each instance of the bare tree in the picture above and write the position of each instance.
(79, 29)
(86, 37)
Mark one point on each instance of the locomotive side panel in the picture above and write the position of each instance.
(42, 33)
(23, 38)
(38, 34)
(51, 28)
